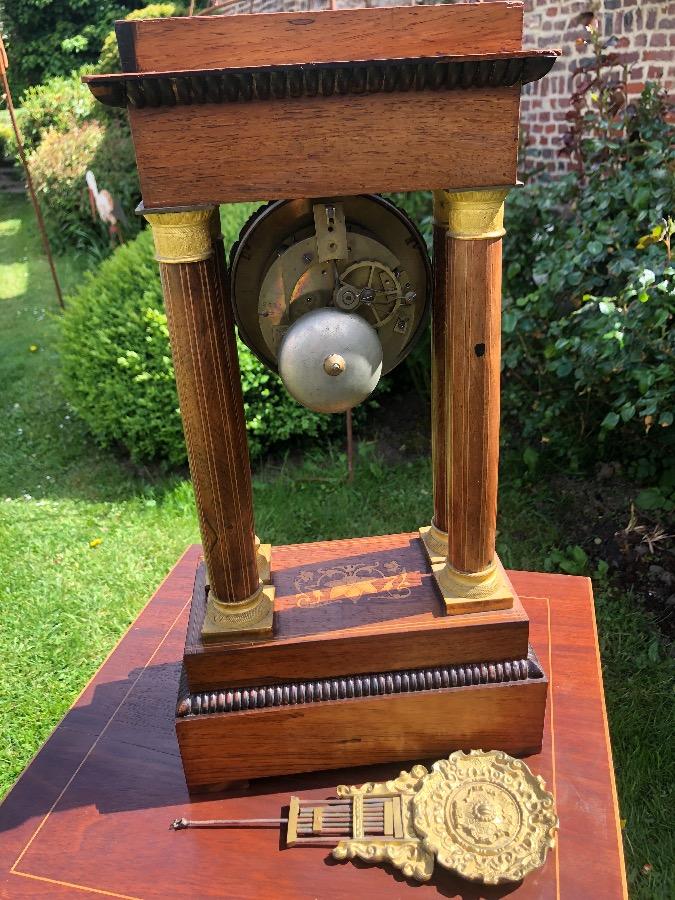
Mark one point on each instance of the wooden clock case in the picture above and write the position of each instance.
(376, 649)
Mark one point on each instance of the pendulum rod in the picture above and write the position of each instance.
(180, 824)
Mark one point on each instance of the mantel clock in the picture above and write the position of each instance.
(345, 652)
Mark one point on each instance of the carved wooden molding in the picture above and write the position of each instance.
(319, 79)
(350, 687)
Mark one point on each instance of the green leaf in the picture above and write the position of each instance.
(509, 321)
(610, 421)
(530, 458)
(652, 498)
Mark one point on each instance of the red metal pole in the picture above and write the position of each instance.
(29, 181)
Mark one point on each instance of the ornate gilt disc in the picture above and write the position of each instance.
(486, 816)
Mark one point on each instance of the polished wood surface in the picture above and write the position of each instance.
(90, 815)
(201, 329)
(355, 144)
(314, 37)
(343, 605)
(473, 348)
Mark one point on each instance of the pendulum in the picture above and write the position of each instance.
(483, 815)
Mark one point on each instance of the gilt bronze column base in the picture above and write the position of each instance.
(465, 592)
(435, 543)
(253, 616)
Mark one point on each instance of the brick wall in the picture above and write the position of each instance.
(646, 45)
(645, 30)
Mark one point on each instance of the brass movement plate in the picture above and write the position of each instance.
(281, 271)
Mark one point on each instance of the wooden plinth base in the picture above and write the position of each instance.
(363, 667)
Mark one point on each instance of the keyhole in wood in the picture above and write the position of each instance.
(479, 349)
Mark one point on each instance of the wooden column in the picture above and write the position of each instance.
(263, 551)
(469, 258)
(203, 346)
(435, 535)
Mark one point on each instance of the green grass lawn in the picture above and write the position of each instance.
(66, 603)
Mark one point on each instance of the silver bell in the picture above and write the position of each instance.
(330, 361)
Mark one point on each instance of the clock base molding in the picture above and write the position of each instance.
(363, 667)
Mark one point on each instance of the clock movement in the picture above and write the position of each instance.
(332, 295)
(338, 653)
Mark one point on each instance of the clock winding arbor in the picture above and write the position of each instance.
(359, 651)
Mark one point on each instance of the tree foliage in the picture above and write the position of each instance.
(53, 37)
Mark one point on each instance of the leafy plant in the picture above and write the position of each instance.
(6, 136)
(589, 303)
(597, 105)
(60, 104)
(117, 364)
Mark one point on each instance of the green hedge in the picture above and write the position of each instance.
(117, 366)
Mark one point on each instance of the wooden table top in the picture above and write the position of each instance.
(90, 814)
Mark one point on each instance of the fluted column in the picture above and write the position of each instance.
(203, 346)
(470, 256)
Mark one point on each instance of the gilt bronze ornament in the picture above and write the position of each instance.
(483, 815)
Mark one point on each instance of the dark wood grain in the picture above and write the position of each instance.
(343, 35)
(201, 329)
(91, 812)
(350, 145)
(250, 84)
(340, 603)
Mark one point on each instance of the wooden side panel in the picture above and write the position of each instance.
(284, 149)
(343, 35)
(359, 732)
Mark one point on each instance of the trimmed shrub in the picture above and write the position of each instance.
(58, 167)
(117, 364)
(60, 104)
